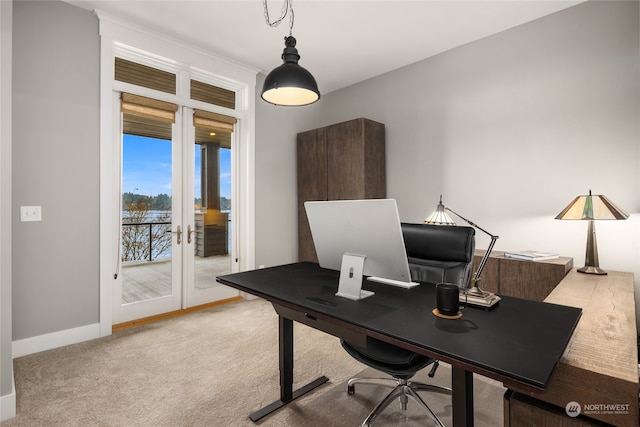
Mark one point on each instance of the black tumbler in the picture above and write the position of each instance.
(447, 299)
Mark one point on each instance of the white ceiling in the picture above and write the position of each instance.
(340, 42)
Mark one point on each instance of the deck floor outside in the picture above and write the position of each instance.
(148, 280)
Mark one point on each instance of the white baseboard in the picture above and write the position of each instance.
(55, 339)
(8, 404)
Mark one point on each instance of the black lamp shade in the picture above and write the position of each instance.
(290, 84)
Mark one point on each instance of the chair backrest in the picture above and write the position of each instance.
(440, 253)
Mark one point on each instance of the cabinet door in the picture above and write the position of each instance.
(345, 161)
(356, 160)
(375, 178)
(312, 184)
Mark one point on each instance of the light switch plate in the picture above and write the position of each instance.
(30, 213)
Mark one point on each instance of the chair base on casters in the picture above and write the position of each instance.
(403, 389)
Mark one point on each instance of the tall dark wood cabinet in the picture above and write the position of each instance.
(344, 161)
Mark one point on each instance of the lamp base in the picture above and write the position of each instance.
(479, 298)
(592, 269)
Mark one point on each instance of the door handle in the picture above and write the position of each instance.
(189, 233)
(179, 234)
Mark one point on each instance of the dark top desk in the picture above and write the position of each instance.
(518, 342)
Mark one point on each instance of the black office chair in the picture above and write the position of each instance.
(436, 254)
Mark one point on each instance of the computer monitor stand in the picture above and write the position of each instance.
(351, 273)
(393, 282)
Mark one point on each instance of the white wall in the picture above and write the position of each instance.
(509, 129)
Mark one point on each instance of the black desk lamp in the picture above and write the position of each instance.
(475, 295)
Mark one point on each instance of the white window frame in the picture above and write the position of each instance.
(132, 42)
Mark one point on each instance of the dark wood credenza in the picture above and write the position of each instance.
(533, 280)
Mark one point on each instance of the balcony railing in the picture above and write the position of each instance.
(142, 242)
(145, 245)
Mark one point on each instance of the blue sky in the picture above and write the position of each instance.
(146, 167)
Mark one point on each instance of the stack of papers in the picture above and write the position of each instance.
(531, 255)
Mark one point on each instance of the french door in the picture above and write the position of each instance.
(176, 232)
(208, 189)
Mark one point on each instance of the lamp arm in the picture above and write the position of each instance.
(471, 223)
(476, 277)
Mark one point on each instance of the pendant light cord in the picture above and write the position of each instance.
(287, 7)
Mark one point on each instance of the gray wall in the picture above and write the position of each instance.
(509, 129)
(276, 186)
(6, 363)
(55, 165)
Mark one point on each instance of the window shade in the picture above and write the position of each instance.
(142, 126)
(213, 121)
(142, 75)
(149, 108)
(213, 94)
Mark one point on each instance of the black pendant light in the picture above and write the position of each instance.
(289, 84)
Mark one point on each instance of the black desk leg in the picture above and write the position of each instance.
(462, 398)
(287, 394)
(285, 330)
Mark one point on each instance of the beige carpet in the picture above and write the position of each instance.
(211, 368)
(336, 408)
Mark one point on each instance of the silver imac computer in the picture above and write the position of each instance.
(360, 238)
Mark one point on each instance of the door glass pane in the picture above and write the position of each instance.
(146, 209)
(212, 249)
